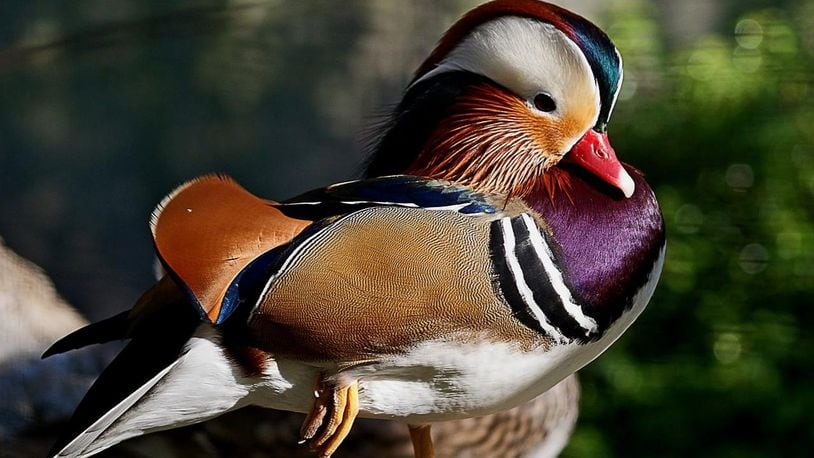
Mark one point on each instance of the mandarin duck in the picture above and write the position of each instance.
(496, 247)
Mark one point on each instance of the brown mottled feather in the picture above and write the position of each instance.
(539, 428)
(382, 280)
(209, 229)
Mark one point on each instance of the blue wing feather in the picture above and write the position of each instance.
(398, 190)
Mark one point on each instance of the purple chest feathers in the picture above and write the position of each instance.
(607, 245)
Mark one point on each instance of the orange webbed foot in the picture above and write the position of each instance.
(331, 418)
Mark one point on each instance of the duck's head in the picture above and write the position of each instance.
(513, 89)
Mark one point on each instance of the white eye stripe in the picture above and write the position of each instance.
(525, 56)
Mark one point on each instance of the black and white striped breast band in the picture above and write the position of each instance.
(532, 284)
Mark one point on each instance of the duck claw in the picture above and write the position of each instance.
(330, 420)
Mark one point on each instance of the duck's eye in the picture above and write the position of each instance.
(544, 103)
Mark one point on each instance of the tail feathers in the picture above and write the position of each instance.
(113, 328)
(138, 368)
(144, 317)
(85, 443)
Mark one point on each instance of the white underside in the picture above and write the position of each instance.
(436, 381)
(444, 380)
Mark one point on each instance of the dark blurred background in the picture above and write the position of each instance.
(106, 105)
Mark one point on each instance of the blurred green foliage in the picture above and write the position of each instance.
(720, 363)
(93, 132)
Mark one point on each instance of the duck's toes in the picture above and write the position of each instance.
(315, 418)
(331, 418)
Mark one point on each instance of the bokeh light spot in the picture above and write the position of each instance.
(748, 33)
(740, 177)
(754, 258)
(727, 347)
